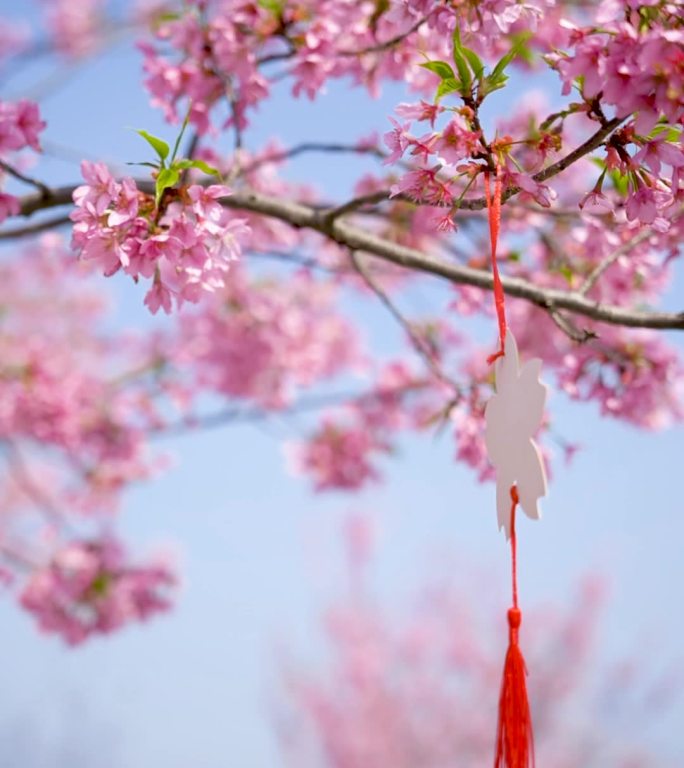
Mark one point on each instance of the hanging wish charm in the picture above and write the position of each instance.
(512, 416)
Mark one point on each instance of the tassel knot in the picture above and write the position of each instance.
(514, 738)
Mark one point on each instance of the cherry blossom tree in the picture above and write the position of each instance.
(256, 271)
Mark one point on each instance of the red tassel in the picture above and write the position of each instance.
(514, 737)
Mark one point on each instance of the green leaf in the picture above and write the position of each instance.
(463, 69)
(520, 40)
(159, 145)
(493, 84)
(166, 179)
(448, 86)
(476, 63)
(440, 68)
(507, 58)
(567, 273)
(164, 18)
(460, 60)
(274, 6)
(620, 182)
(146, 165)
(463, 55)
(199, 164)
(672, 133)
(168, 16)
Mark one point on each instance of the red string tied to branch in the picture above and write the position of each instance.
(494, 215)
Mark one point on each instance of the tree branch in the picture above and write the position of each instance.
(350, 236)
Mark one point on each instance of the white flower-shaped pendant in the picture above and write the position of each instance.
(512, 417)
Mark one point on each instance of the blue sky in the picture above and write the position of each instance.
(261, 556)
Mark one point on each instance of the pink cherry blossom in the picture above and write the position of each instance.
(397, 140)
(339, 457)
(262, 274)
(186, 248)
(20, 125)
(265, 342)
(457, 142)
(75, 29)
(88, 588)
(420, 111)
(9, 206)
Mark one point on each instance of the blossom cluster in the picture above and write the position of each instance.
(343, 452)
(487, 22)
(75, 29)
(633, 63)
(215, 52)
(20, 126)
(14, 37)
(184, 246)
(265, 341)
(76, 407)
(339, 456)
(630, 64)
(445, 167)
(59, 380)
(89, 588)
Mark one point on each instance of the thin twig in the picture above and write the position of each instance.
(300, 261)
(580, 335)
(372, 198)
(310, 146)
(416, 340)
(34, 229)
(22, 477)
(252, 414)
(281, 56)
(622, 250)
(39, 185)
(379, 47)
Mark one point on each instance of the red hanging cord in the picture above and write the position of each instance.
(494, 215)
(514, 737)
